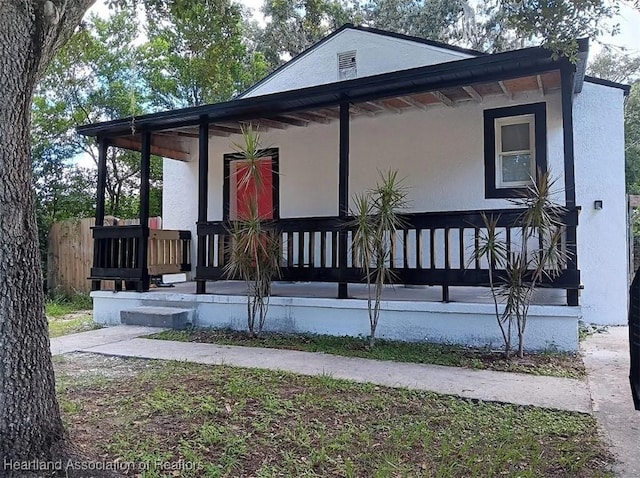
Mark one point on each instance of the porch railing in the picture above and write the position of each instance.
(117, 254)
(433, 249)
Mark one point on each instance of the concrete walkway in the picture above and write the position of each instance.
(521, 389)
(108, 335)
(606, 356)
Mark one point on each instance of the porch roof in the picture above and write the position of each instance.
(463, 80)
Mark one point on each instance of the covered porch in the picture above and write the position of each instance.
(434, 249)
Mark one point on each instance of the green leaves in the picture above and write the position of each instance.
(558, 24)
(253, 246)
(197, 53)
(376, 219)
(516, 268)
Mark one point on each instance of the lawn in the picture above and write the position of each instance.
(69, 315)
(211, 421)
(547, 363)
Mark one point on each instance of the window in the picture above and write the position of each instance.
(515, 147)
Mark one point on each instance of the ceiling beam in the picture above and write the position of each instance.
(292, 121)
(505, 90)
(412, 102)
(223, 128)
(308, 116)
(540, 85)
(328, 112)
(471, 91)
(134, 144)
(383, 106)
(191, 132)
(364, 111)
(270, 123)
(442, 98)
(182, 134)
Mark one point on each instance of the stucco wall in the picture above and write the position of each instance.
(599, 171)
(440, 153)
(375, 54)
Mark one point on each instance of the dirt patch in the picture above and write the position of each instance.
(79, 366)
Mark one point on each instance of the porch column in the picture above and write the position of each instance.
(203, 198)
(567, 75)
(343, 195)
(100, 199)
(145, 168)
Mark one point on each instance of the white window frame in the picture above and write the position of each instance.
(509, 120)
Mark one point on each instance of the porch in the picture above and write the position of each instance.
(432, 249)
(435, 248)
(328, 290)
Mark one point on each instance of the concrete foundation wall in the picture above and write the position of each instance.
(548, 328)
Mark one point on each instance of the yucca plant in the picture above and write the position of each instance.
(376, 218)
(253, 249)
(491, 247)
(514, 275)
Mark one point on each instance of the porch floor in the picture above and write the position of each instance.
(472, 295)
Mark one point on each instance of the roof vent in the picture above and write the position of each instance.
(347, 65)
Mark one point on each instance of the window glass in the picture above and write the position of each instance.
(516, 167)
(515, 137)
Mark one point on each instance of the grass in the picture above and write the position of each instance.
(547, 363)
(69, 315)
(219, 421)
(59, 306)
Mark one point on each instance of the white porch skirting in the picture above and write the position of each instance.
(549, 327)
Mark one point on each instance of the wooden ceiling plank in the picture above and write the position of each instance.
(471, 91)
(308, 116)
(364, 111)
(385, 106)
(182, 134)
(134, 145)
(332, 113)
(225, 128)
(292, 121)
(505, 90)
(269, 123)
(540, 85)
(442, 98)
(414, 103)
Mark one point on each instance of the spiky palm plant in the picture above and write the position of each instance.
(253, 249)
(376, 218)
(515, 275)
(491, 247)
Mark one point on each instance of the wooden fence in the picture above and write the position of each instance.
(70, 254)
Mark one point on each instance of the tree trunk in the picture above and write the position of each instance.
(30, 425)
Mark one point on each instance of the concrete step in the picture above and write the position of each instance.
(166, 317)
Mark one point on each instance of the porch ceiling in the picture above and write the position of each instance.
(175, 142)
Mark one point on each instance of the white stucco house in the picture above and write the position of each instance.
(465, 129)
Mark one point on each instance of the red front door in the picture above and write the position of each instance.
(245, 188)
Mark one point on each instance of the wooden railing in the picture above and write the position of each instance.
(433, 249)
(169, 252)
(118, 255)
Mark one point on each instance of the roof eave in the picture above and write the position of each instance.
(473, 70)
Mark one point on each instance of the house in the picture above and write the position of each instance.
(466, 129)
